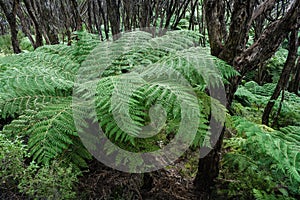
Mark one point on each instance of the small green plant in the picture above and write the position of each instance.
(53, 181)
(12, 155)
(5, 44)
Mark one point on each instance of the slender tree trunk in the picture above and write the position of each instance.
(145, 14)
(192, 17)
(105, 20)
(2, 29)
(10, 15)
(37, 28)
(285, 75)
(294, 85)
(170, 11)
(114, 17)
(14, 34)
(181, 12)
(127, 13)
(26, 27)
(90, 21)
(76, 15)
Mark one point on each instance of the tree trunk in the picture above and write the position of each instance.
(76, 15)
(294, 85)
(105, 20)
(114, 17)
(10, 15)
(37, 28)
(145, 14)
(208, 167)
(285, 75)
(214, 15)
(90, 22)
(25, 23)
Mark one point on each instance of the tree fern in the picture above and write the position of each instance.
(36, 90)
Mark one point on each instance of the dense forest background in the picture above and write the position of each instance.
(254, 44)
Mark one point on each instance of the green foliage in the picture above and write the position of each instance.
(49, 182)
(275, 64)
(264, 162)
(26, 45)
(55, 181)
(12, 154)
(255, 97)
(5, 44)
(36, 91)
(270, 70)
(6, 47)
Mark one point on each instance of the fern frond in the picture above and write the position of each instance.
(25, 88)
(282, 148)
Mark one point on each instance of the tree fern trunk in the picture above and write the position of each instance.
(208, 167)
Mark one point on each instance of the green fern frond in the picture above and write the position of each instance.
(52, 133)
(25, 88)
(282, 148)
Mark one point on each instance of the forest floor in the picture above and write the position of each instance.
(105, 183)
(175, 182)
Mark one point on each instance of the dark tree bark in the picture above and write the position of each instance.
(104, 18)
(25, 26)
(172, 5)
(265, 47)
(208, 167)
(76, 14)
(285, 75)
(214, 14)
(127, 13)
(145, 14)
(239, 30)
(37, 28)
(114, 17)
(11, 16)
(89, 20)
(294, 85)
(49, 24)
(181, 10)
(192, 18)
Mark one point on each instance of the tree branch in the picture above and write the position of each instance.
(262, 8)
(269, 41)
